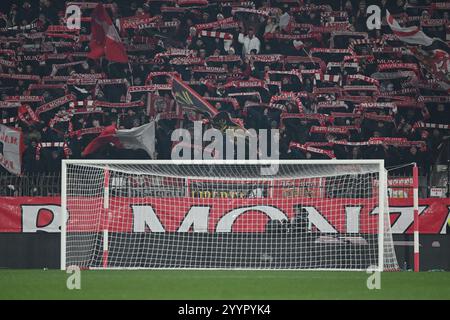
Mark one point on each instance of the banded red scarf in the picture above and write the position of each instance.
(281, 36)
(8, 52)
(398, 94)
(267, 58)
(57, 67)
(28, 27)
(345, 65)
(147, 88)
(390, 66)
(151, 75)
(264, 13)
(35, 86)
(355, 77)
(319, 76)
(92, 76)
(88, 5)
(293, 72)
(289, 96)
(311, 8)
(72, 37)
(398, 142)
(203, 69)
(251, 83)
(8, 120)
(243, 94)
(119, 105)
(81, 132)
(304, 147)
(63, 145)
(24, 77)
(434, 99)
(8, 63)
(306, 60)
(61, 29)
(30, 99)
(176, 52)
(160, 25)
(224, 59)
(216, 34)
(321, 118)
(138, 47)
(378, 117)
(329, 130)
(315, 144)
(217, 24)
(81, 82)
(360, 88)
(55, 103)
(104, 82)
(62, 117)
(336, 26)
(395, 75)
(407, 102)
(330, 105)
(362, 42)
(136, 22)
(395, 142)
(377, 105)
(7, 104)
(344, 115)
(331, 51)
(186, 61)
(428, 125)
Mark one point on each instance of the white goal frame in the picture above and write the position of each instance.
(382, 192)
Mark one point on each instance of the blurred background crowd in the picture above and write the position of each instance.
(313, 69)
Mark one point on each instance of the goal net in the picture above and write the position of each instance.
(322, 215)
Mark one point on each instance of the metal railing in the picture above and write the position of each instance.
(31, 184)
(49, 184)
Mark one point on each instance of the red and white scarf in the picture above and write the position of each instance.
(55, 103)
(216, 34)
(63, 145)
(307, 148)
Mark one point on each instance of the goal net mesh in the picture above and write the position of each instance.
(224, 216)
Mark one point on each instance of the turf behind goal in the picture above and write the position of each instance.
(315, 214)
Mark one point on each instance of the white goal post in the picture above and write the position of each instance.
(226, 214)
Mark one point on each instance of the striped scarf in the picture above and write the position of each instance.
(216, 34)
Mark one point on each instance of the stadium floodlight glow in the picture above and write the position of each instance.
(222, 214)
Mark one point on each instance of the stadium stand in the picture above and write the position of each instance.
(310, 68)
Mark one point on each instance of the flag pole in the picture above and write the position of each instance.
(131, 73)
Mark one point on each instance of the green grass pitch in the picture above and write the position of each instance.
(175, 284)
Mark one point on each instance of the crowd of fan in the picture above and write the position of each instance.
(311, 69)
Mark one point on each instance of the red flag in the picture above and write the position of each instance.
(142, 137)
(107, 136)
(105, 40)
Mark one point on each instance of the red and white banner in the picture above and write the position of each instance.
(32, 214)
(411, 35)
(11, 147)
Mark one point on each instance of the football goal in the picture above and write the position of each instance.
(310, 214)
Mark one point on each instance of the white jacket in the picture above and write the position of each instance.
(249, 44)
